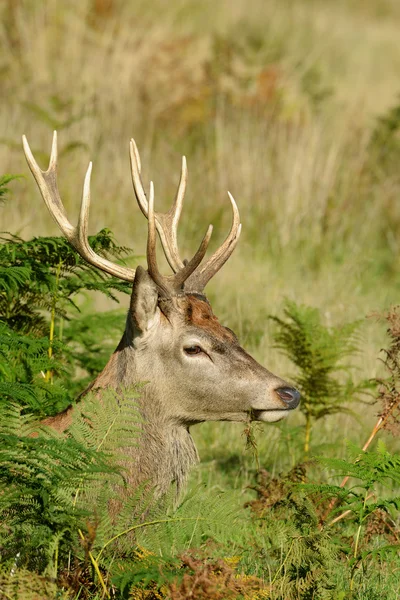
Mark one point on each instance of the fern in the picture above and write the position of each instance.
(318, 353)
(389, 391)
(38, 476)
(300, 558)
(360, 501)
(90, 339)
(39, 354)
(4, 181)
(204, 521)
(23, 363)
(46, 273)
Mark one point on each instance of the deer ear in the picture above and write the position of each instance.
(144, 300)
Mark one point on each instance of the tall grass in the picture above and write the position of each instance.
(275, 101)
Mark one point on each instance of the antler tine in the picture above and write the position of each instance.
(152, 266)
(166, 223)
(136, 168)
(47, 182)
(184, 274)
(77, 236)
(200, 278)
(170, 220)
(172, 283)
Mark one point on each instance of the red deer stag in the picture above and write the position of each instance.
(195, 368)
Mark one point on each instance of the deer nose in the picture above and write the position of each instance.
(290, 396)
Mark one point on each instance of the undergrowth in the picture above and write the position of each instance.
(72, 527)
(41, 350)
(320, 355)
(288, 106)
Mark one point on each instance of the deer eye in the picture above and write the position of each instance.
(191, 350)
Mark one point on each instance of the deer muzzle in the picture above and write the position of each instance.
(289, 396)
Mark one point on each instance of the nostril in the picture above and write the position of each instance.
(290, 396)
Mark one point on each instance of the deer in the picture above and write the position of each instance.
(194, 368)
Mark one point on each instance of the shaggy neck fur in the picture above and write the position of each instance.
(165, 450)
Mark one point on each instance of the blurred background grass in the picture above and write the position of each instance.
(292, 105)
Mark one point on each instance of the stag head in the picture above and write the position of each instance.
(195, 368)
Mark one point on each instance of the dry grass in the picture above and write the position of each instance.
(272, 100)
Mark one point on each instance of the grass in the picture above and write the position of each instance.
(278, 102)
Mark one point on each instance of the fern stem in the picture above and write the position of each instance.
(106, 434)
(97, 449)
(96, 568)
(284, 562)
(357, 540)
(377, 427)
(344, 514)
(156, 522)
(49, 374)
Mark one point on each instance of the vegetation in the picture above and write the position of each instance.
(41, 281)
(319, 354)
(294, 111)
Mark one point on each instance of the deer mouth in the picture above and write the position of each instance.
(272, 415)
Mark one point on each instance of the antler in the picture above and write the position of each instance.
(186, 274)
(166, 223)
(77, 236)
(175, 282)
(167, 227)
(198, 281)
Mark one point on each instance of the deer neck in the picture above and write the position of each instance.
(165, 450)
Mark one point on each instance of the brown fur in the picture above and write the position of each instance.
(199, 313)
(60, 422)
(107, 377)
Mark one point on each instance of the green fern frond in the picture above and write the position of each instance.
(4, 181)
(323, 379)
